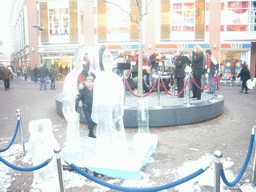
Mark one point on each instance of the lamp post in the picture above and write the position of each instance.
(38, 27)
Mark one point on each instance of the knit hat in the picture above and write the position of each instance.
(89, 78)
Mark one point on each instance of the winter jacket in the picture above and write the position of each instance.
(244, 74)
(43, 71)
(212, 65)
(154, 59)
(53, 74)
(86, 96)
(180, 64)
(198, 63)
(6, 73)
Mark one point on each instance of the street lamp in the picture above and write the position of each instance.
(38, 27)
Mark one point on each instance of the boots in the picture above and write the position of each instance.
(91, 134)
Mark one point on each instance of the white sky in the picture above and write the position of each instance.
(5, 9)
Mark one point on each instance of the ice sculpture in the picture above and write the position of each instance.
(143, 117)
(70, 94)
(110, 153)
(40, 147)
(107, 113)
(108, 61)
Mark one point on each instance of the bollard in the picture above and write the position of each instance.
(60, 169)
(217, 173)
(254, 161)
(18, 113)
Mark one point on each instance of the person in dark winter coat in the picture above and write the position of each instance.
(154, 60)
(245, 75)
(35, 74)
(43, 73)
(86, 95)
(53, 76)
(6, 76)
(101, 52)
(211, 66)
(180, 63)
(197, 65)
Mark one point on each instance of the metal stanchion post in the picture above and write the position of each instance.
(188, 84)
(18, 113)
(218, 168)
(254, 161)
(60, 169)
(158, 90)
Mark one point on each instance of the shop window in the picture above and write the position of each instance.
(182, 17)
(237, 16)
(253, 16)
(59, 21)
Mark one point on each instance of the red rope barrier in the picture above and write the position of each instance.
(205, 87)
(139, 95)
(179, 92)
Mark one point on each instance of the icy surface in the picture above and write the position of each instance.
(41, 147)
(143, 117)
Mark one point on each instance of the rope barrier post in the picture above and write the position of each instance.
(254, 161)
(60, 169)
(218, 168)
(188, 84)
(18, 113)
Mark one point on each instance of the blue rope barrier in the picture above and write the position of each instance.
(14, 136)
(231, 184)
(25, 168)
(127, 189)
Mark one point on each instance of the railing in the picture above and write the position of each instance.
(219, 171)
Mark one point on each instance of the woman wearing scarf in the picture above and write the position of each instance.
(210, 65)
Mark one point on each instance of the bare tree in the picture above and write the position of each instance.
(138, 21)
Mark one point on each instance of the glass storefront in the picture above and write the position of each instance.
(61, 62)
(232, 60)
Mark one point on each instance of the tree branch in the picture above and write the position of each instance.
(122, 10)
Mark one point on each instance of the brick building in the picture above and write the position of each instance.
(227, 27)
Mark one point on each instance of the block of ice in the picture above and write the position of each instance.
(40, 147)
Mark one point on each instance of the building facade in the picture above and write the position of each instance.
(227, 27)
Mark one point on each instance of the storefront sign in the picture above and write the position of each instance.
(180, 46)
(236, 46)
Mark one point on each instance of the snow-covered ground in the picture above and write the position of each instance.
(73, 179)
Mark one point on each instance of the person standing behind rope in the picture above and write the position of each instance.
(197, 65)
(43, 73)
(245, 75)
(211, 65)
(86, 95)
(6, 76)
(154, 59)
(180, 63)
(101, 52)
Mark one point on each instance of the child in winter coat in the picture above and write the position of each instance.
(86, 95)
